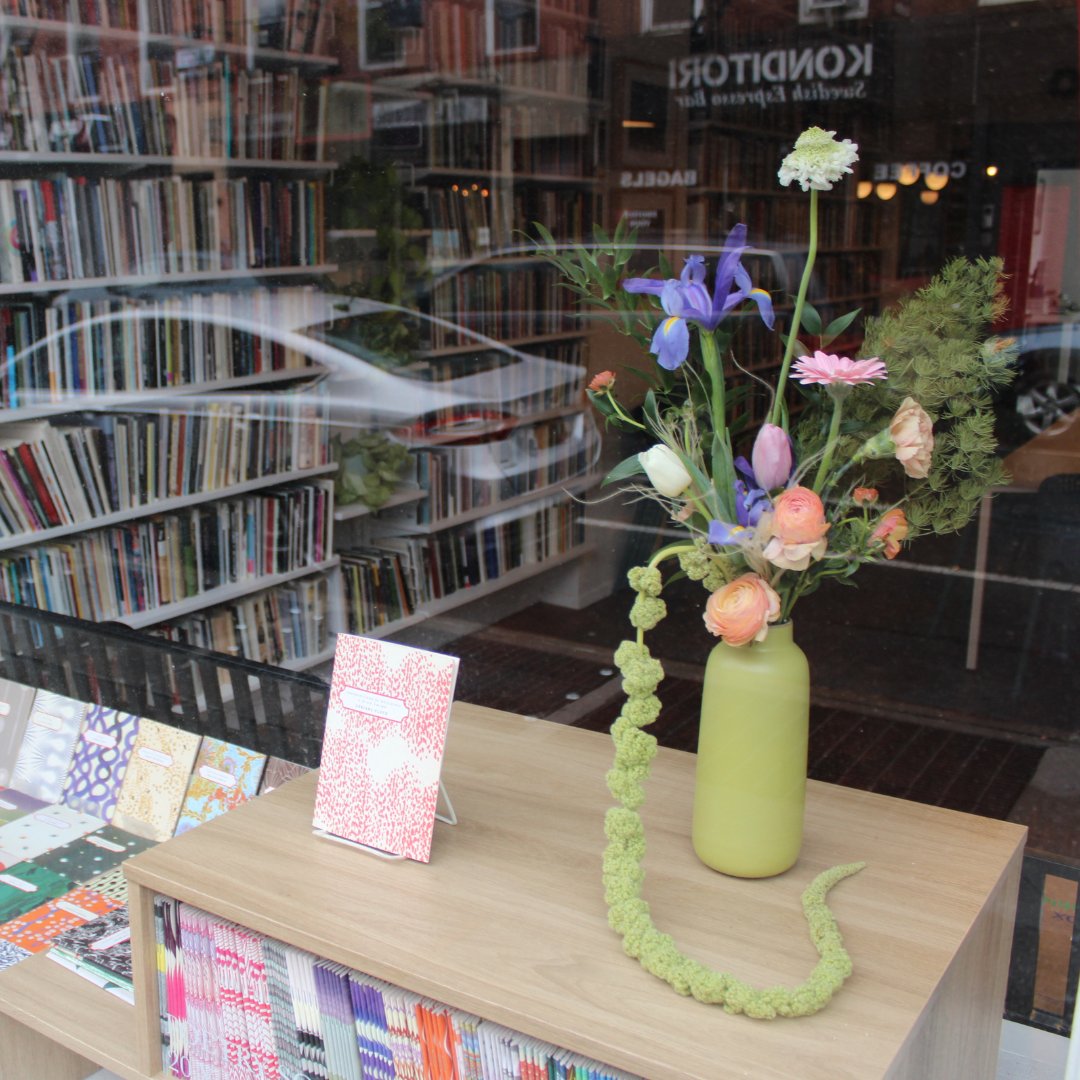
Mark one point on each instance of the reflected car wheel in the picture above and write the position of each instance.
(1044, 402)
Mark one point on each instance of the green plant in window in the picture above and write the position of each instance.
(370, 467)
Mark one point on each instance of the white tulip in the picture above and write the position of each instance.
(665, 471)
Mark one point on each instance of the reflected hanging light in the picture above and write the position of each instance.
(885, 191)
(935, 181)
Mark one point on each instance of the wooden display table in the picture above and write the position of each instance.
(508, 921)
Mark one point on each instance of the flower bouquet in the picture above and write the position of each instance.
(850, 459)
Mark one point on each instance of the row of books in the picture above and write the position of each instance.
(142, 566)
(462, 132)
(285, 625)
(236, 1003)
(374, 584)
(86, 786)
(441, 564)
(462, 479)
(56, 474)
(304, 26)
(85, 348)
(85, 227)
(467, 218)
(124, 104)
(502, 303)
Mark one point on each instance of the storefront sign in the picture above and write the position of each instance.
(894, 170)
(769, 77)
(659, 178)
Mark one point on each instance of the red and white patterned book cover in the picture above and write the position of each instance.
(383, 745)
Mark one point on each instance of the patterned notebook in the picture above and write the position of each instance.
(95, 853)
(112, 884)
(35, 930)
(100, 761)
(14, 804)
(45, 829)
(224, 777)
(383, 744)
(278, 771)
(26, 885)
(11, 954)
(157, 777)
(102, 947)
(45, 754)
(16, 702)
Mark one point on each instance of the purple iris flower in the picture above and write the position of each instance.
(751, 501)
(724, 535)
(686, 299)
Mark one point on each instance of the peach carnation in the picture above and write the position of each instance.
(912, 434)
(797, 529)
(740, 611)
(890, 531)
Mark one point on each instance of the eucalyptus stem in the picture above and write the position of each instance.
(830, 444)
(796, 316)
(710, 354)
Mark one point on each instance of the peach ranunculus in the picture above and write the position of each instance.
(890, 531)
(797, 529)
(912, 434)
(740, 611)
(603, 382)
(864, 496)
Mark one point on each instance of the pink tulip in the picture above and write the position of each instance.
(771, 457)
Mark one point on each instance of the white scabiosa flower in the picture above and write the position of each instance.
(819, 160)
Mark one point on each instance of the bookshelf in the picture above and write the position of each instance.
(490, 113)
(508, 922)
(163, 168)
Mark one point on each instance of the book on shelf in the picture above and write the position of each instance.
(100, 760)
(92, 854)
(44, 757)
(382, 745)
(35, 929)
(27, 884)
(156, 780)
(229, 996)
(16, 703)
(224, 776)
(100, 951)
(42, 830)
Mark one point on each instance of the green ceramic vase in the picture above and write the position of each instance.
(750, 782)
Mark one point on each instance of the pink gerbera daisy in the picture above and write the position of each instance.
(827, 369)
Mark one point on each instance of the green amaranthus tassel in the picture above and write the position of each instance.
(624, 876)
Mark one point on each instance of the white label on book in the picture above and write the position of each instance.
(216, 776)
(367, 701)
(74, 909)
(158, 757)
(47, 720)
(5, 708)
(18, 883)
(100, 738)
(109, 940)
(50, 819)
(108, 845)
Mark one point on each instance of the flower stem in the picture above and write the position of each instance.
(710, 353)
(796, 315)
(830, 444)
(623, 415)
